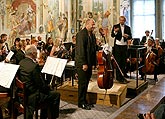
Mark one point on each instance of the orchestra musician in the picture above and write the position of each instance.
(151, 61)
(38, 91)
(73, 47)
(145, 38)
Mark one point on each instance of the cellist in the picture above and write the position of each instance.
(159, 54)
(151, 64)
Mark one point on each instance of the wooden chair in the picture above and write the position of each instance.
(20, 107)
(17, 105)
(3, 96)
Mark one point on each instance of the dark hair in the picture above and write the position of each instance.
(17, 39)
(3, 35)
(73, 36)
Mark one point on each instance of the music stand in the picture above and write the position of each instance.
(68, 45)
(136, 41)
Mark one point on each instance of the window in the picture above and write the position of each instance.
(143, 17)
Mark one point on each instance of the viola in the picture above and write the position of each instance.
(105, 72)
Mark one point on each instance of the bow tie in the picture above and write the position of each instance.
(122, 25)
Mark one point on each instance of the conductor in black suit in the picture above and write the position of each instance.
(38, 91)
(122, 33)
(85, 58)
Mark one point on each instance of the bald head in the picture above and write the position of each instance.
(31, 51)
(90, 24)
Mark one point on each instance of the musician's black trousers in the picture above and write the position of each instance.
(83, 81)
(120, 54)
(52, 99)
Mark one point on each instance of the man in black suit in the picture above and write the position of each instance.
(85, 57)
(121, 33)
(145, 38)
(38, 91)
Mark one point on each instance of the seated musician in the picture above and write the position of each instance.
(160, 52)
(150, 63)
(145, 38)
(73, 47)
(38, 91)
(48, 46)
(59, 50)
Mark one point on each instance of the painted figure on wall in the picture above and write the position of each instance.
(125, 9)
(50, 25)
(2, 13)
(22, 17)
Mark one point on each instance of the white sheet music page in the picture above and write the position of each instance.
(61, 67)
(54, 66)
(7, 74)
(71, 63)
(11, 53)
(50, 66)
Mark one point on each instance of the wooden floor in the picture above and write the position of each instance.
(148, 101)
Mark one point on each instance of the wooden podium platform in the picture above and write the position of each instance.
(114, 96)
(133, 90)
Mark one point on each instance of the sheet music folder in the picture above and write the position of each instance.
(54, 66)
(7, 73)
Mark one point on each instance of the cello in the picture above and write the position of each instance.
(150, 59)
(105, 72)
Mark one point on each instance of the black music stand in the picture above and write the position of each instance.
(136, 41)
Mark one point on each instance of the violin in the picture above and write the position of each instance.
(105, 72)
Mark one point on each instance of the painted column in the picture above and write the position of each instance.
(38, 4)
(87, 5)
(61, 6)
(69, 20)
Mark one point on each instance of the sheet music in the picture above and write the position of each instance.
(7, 74)
(54, 66)
(71, 63)
(11, 53)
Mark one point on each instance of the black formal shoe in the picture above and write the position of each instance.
(125, 81)
(156, 80)
(142, 77)
(84, 106)
(126, 76)
(122, 82)
(91, 105)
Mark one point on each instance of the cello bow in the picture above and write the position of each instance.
(119, 68)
